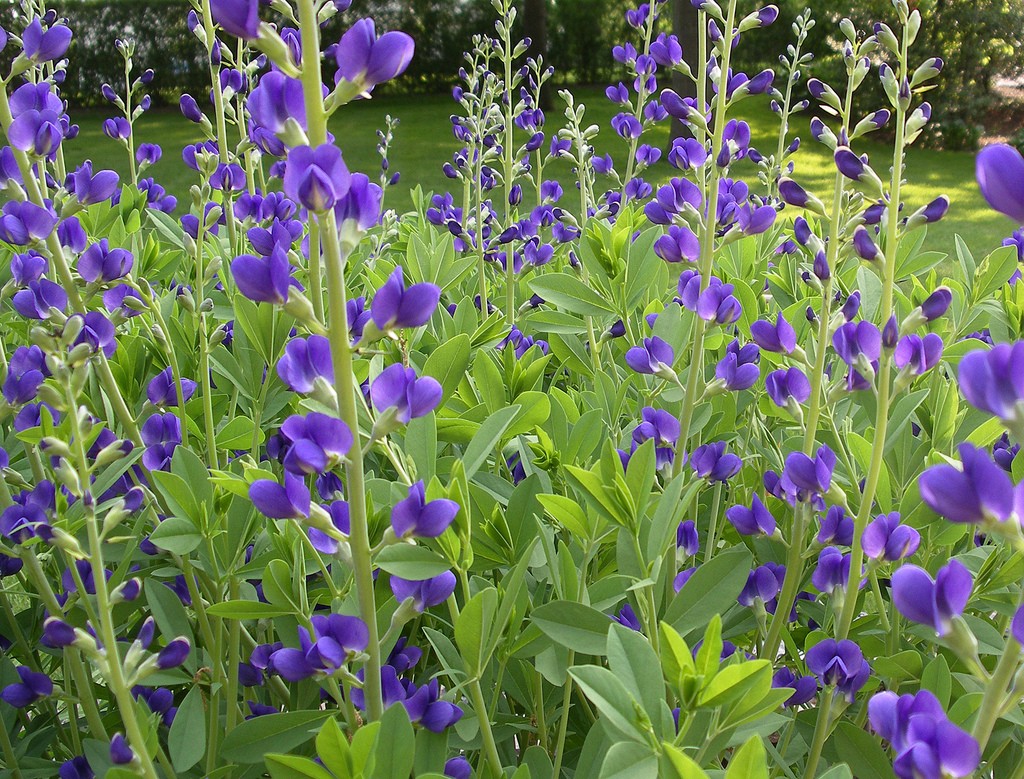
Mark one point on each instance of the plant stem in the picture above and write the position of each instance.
(490, 747)
(820, 731)
(563, 725)
(995, 690)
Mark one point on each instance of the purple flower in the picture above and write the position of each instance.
(751, 521)
(918, 355)
(97, 331)
(396, 305)
(276, 99)
(318, 443)
(686, 538)
(26, 370)
(886, 539)
(980, 492)
(45, 46)
(654, 357)
(856, 341)
(426, 593)
(672, 199)
(316, 178)
(161, 434)
(304, 361)
(399, 388)
(738, 370)
(361, 206)
(833, 570)
(458, 768)
(334, 640)
(805, 478)
(687, 153)
(1000, 173)
(366, 60)
(117, 128)
(292, 501)
(786, 385)
(240, 18)
(89, 188)
(174, 654)
(780, 337)
(718, 304)
(264, 279)
(762, 584)
(836, 527)
(926, 743)
(804, 687)
(661, 426)
(627, 618)
(840, 664)
(22, 222)
(163, 390)
(993, 381)
(415, 516)
(928, 601)
(713, 463)
(38, 298)
(678, 244)
(76, 768)
(102, 264)
(120, 752)
(32, 687)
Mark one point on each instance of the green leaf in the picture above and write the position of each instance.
(412, 562)
(283, 732)
(632, 659)
(167, 610)
(681, 765)
(750, 761)
(448, 364)
(570, 294)
(612, 699)
(394, 751)
(295, 767)
(186, 740)
(573, 625)
(752, 678)
(177, 536)
(629, 760)
(473, 627)
(238, 434)
(246, 609)
(486, 438)
(711, 590)
(333, 749)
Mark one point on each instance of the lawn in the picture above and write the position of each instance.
(423, 142)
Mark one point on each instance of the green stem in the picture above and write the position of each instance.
(995, 690)
(820, 731)
(10, 756)
(716, 505)
(490, 747)
(563, 724)
(791, 581)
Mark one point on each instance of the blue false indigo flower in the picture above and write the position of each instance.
(163, 390)
(276, 99)
(779, 338)
(936, 304)
(992, 381)
(240, 18)
(655, 357)
(626, 126)
(398, 388)
(718, 304)
(264, 279)
(678, 244)
(752, 521)
(795, 195)
(425, 593)
(88, 188)
(359, 209)
(334, 641)
(31, 265)
(858, 344)
(929, 213)
(788, 389)
(762, 584)
(324, 543)
(365, 60)
(805, 478)
(687, 541)
(97, 331)
(618, 94)
(1004, 453)
(672, 199)
(856, 169)
(415, 516)
(934, 602)
(101, 264)
(117, 128)
(840, 664)
(120, 752)
(915, 355)
(291, 501)
(318, 443)
(32, 687)
(682, 578)
(602, 165)
(927, 745)
(687, 153)
(836, 527)
(804, 687)
(147, 154)
(738, 370)
(886, 539)
(396, 305)
(161, 434)
(1017, 626)
(865, 245)
(666, 50)
(832, 572)
(316, 178)
(627, 618)
(458, 768)
(26, 371)
(76, 768)
(713, 463)
(45, 46)
(661, 426)
(23, 222)
(1000, 173)
(174, 654)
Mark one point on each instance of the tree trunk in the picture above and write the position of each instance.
(684, 25)
(535, 27)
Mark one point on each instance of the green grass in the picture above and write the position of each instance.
(423, 142)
